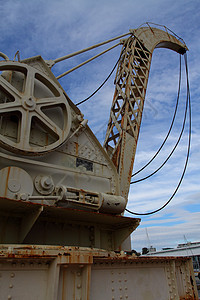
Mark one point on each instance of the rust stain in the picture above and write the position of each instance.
(7, 178)
(47, 139)
(135, 259)
(88, 281)
(76, 145)
(63, 284)
(188, 298)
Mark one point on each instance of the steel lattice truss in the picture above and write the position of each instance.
(126, 111)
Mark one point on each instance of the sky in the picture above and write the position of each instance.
(55, 28)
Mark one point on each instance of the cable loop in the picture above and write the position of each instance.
(188, 150)
(172, 123)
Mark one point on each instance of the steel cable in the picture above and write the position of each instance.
(188, 150)
(101, 84)
(172, 123)
(174, 148)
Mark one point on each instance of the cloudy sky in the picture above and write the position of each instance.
(54, 28)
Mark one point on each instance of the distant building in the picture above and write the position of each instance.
(187, 249)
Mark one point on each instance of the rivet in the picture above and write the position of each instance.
(11, 286)
(12, 275)
(9, 297)
(78, 274)
(78, 286)
(81, 266)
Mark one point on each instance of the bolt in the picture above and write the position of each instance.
(30, 102)
(23, 197)
(81, 266)
(47, 181)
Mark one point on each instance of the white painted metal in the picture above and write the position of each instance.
(129, 96)
(32, 99)
(87, 61)
(66, 273)
(72, 160)
(15, 183)
(58, 186)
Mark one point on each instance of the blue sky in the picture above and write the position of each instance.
(55, 28)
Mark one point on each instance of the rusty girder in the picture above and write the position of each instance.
(129, 96)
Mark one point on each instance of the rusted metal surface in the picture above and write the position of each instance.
(73, 193)
(155, 37)
(34, 223)
(84, 273)
(129, 96)
(38, 118)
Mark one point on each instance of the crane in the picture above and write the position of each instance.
(52, 165)
(128, 101)
(63, 194)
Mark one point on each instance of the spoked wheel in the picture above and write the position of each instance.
(35, 116)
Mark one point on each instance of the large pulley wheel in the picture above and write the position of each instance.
(35, 116)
